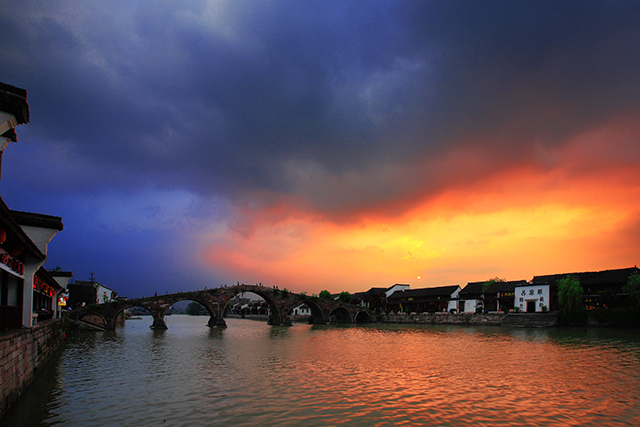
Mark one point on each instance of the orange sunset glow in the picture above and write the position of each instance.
(575, 208)
(328, 145)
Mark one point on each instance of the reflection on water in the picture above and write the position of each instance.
(252, 373)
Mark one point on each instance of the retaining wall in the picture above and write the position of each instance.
(22, 354)
(493, 319)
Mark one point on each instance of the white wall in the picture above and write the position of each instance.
(538, 293)
(100, 296)
(396, 288)
(302, 310)
(470, 305)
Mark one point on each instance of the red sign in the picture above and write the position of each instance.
(12, 263)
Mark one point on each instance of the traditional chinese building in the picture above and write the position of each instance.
(470, 298)
(600, 288)
(24, 236)
(83, 292)
(425, 300)
(499, 296)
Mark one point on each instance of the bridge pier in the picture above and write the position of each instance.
(158, 323)
(217, 322)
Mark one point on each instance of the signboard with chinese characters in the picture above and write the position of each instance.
(12, 265)
(529, 294)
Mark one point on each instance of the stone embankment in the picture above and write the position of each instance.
(530, 320)
(524, 320)
(22, 354)
(493, 319)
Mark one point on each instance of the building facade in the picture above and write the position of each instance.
(85, 292)
(24, 237)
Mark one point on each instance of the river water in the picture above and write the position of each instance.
(366, 375)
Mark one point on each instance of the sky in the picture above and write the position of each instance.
(337, 145)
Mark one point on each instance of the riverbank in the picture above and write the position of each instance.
(22, 353)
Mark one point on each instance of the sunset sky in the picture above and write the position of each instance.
(337, 145)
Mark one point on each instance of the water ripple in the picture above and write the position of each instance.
(254, 374)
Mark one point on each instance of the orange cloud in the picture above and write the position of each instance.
(569, 208)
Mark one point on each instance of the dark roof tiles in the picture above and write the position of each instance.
(425, 292)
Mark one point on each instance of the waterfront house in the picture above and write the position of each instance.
(425, 300)
(24, 236)
(499, 296)
(357, 298)
(536, 296)
(46, 291)
(19, 260)
(376, 299)
(82, 292)
(470, 298)
(600, 288)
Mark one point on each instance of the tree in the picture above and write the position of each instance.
(570, 298)
(632, 287)
(325, 294)
(196, 309)
(345, 297)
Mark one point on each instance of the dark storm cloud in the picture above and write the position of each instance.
(220, 102)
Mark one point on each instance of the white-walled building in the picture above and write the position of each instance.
(398, 287)
(82, 292)
(470, 298)
(532, 298)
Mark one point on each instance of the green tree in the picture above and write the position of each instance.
(345, 297)
(632, 287)
(325, 294)
(570, 298)
(196, 309)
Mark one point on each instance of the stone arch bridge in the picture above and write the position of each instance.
(214, 300)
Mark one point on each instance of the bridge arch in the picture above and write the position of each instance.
(363, 317)
(318, 316)
(94, 318)
(215, 300)
(264, 293)
(340, 315)
(120, 310)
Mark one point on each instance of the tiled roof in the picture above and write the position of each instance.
(13, 100)
(505, 286)
(590, 278)
(38, 220)
(45, 275)
(445, 291)
(13, 228)
(472, 289)
(376, 291)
